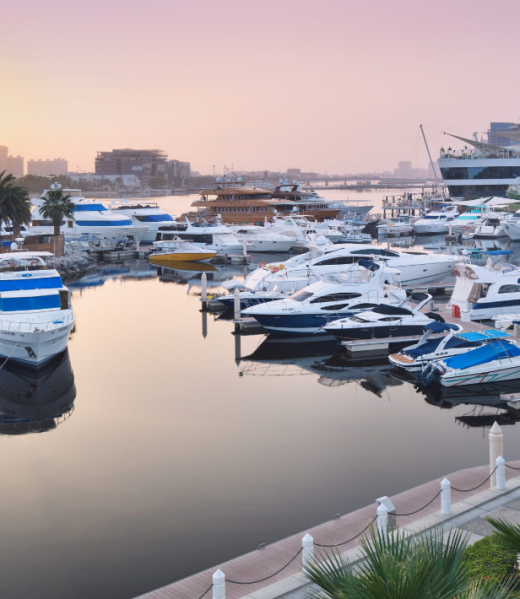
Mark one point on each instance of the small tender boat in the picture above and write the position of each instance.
(430, 349)
(177, 250)
(385, 321)
(496, 361)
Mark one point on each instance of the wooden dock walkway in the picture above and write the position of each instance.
(262, 563)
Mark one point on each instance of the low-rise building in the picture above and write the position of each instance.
(45, 168)
(144, 164)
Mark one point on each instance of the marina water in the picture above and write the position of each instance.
(179, 445)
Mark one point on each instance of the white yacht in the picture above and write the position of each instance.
(91, 217)
(416, 268)
(512, 226)
(334, 297)
(302, 229)
(35, 310)
(487, 291)
(491, 227)
(148, 213)
(437, 220)
(210, 236)
(260, 239)
(397, 226)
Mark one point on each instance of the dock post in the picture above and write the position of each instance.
(236, 304)
(204, 284)
(516, 330)
(219, 585)
(204, 324)
(496, 449)
(501, 473)
(382, 519)
(307, 551)
(244, 247)
(445, 497)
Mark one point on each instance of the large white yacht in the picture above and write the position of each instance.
(91, 218)
(148, 213)
(437, 220)
(35, 310)
(481, 169)
(210, 236)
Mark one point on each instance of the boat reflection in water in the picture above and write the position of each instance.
(324, 357)
(36, 401)
(124, 271)
(190, 273)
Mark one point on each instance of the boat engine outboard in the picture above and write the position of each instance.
(430, 375)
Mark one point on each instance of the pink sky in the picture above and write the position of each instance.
(336, 85)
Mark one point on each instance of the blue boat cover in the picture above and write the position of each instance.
(439, 327)
(494, 350)
(483, 335)
(89, 208)
(157, 218)
(431, 345)
(368, 264)
(497, 252)
(103, 223)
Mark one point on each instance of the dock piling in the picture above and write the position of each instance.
(501, 473)
(445, 497)
(307, 551)
(219, 585)
(236, 303)
(496, 450)
(382, 519)
(204, 285)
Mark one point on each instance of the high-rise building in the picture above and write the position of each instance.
(496, 140)
(177, 171)
(3, 158)
(145, 164)
(45, 168)
(15, 165)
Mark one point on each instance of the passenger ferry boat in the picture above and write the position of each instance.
(251, 206)
(35, 309)
(481, 169)
(149, 213)
(91, 217)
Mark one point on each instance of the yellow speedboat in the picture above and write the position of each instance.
(180, 251)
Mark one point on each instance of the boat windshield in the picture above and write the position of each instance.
(301, 296)
(24, 263)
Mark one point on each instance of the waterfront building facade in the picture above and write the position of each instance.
(45, 168)
(3, 158)
(144, 164)
(177, 171)
(15, 166)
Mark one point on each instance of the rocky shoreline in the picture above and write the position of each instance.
(75, 263)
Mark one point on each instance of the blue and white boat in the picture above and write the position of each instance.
(35, 308)
(309, 310)
(149, 213)
(487, 291)
(91, 218)
(432, 347)
(496, 361)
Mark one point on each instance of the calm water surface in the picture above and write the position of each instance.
(181, 445)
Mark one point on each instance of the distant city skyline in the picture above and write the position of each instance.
(335, 85)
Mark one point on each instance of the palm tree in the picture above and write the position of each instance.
(56, 207)
(400, 567)
(15, 205)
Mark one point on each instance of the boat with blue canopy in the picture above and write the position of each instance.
(432, 347)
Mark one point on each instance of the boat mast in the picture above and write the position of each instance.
(431, 161)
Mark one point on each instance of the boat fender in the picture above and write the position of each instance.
(281, 266)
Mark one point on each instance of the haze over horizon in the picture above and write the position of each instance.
(337, 86)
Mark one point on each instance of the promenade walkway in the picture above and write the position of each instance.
(276, 569)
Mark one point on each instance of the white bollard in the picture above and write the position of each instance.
(236, 304)
(204, 284)
(496, 449)
(516, 330)
(219, 585)
(244, 247)
(445, 497)
(307, 551)
(501, 473)
(382, 519)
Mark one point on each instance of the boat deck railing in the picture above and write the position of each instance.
(35, 327)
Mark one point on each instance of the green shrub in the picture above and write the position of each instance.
(490, 559)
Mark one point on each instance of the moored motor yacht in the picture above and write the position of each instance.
(35, 309)
(177, 250)
(90, 217)
(437, 220)
(260, 239)
(310, 309)
(210, 236)
(486, 291)
(399, 225)
(489, 228)
(148, 213)
(385, 321)
(432, 347)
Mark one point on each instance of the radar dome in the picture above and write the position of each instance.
(218, 180)
(239, 179)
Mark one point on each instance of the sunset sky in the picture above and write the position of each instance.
(335, 85)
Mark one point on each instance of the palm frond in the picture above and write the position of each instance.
(509, 533)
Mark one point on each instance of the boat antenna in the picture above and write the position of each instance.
(431, 161)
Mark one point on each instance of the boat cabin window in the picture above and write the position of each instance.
(334, 307)
(378, 252)
(301, 296)
(429, 217)
(338, 260)
(364, 306)
(509, 289)
(335, 297)
(64, 299)
(357, 319)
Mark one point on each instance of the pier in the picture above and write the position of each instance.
(271, 571)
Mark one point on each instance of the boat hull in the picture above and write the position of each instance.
(376, 332)
(301, 324)
(182, 256)
(491, 375)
